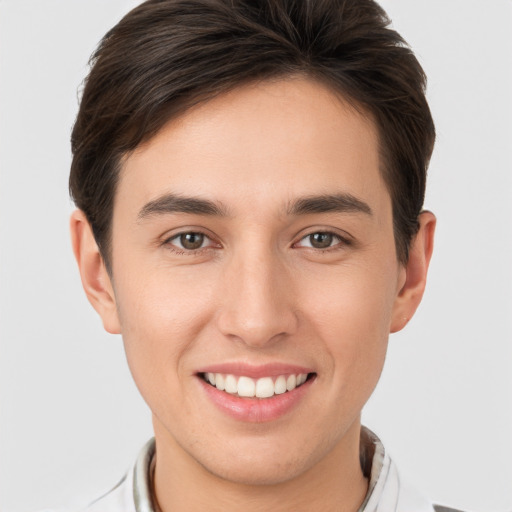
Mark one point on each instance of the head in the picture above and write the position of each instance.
(250, 178)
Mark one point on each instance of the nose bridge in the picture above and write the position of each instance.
(258, 303)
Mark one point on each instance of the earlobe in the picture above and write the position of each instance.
(95, 278)
(411, 292)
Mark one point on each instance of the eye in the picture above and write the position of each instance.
(321, 240)
(190, 241)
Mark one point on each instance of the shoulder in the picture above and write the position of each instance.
(389, 490)
(133, 492)
(118, 499)
(411, 499)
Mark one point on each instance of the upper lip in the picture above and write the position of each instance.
(255, 371)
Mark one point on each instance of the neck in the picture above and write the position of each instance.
(334, 483)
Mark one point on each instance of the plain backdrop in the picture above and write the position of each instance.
(71, 420)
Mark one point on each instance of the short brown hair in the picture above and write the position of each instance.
(167, 55)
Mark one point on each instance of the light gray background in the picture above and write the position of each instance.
(71, 420)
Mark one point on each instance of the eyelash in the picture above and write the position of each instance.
(340, 241)
(182, 250)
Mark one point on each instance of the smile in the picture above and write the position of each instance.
(247, 387)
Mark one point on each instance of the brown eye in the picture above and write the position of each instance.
(191, 241)
(321, 240)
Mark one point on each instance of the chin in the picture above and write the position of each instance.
(256, 473)
(262, 463)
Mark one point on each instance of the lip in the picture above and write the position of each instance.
(255, 371)
(255, 410)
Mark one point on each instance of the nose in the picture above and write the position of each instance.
(258, 299)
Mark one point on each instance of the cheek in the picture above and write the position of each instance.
(351, 313)
(356, 300)
(161, 315)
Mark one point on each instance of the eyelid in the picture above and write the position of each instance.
(167, 240)
(342, 240)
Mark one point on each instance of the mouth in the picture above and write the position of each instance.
(243, 386)
(256, 393)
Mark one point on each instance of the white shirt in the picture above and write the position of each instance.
(387, 492)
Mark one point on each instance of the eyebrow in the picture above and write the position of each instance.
(325, 203)
(341, 203)
(173, 203)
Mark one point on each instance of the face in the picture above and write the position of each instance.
(253, 254)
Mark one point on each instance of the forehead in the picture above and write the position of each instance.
(260, 144)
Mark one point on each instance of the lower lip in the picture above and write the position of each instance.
(256, 410)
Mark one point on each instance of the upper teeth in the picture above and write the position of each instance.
(264, 387)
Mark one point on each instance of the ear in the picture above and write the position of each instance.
(95, 279)
(414, 273)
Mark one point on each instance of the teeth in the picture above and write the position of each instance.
(264, 387)
(280, 385)
(231, 384)
(220, 382)
(291, 382)
(246, 387)
(259, 388)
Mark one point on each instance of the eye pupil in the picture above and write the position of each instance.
(320, 240)
(191, 240)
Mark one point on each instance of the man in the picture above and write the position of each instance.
(249, 177)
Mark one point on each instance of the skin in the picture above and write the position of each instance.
(256, 292)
